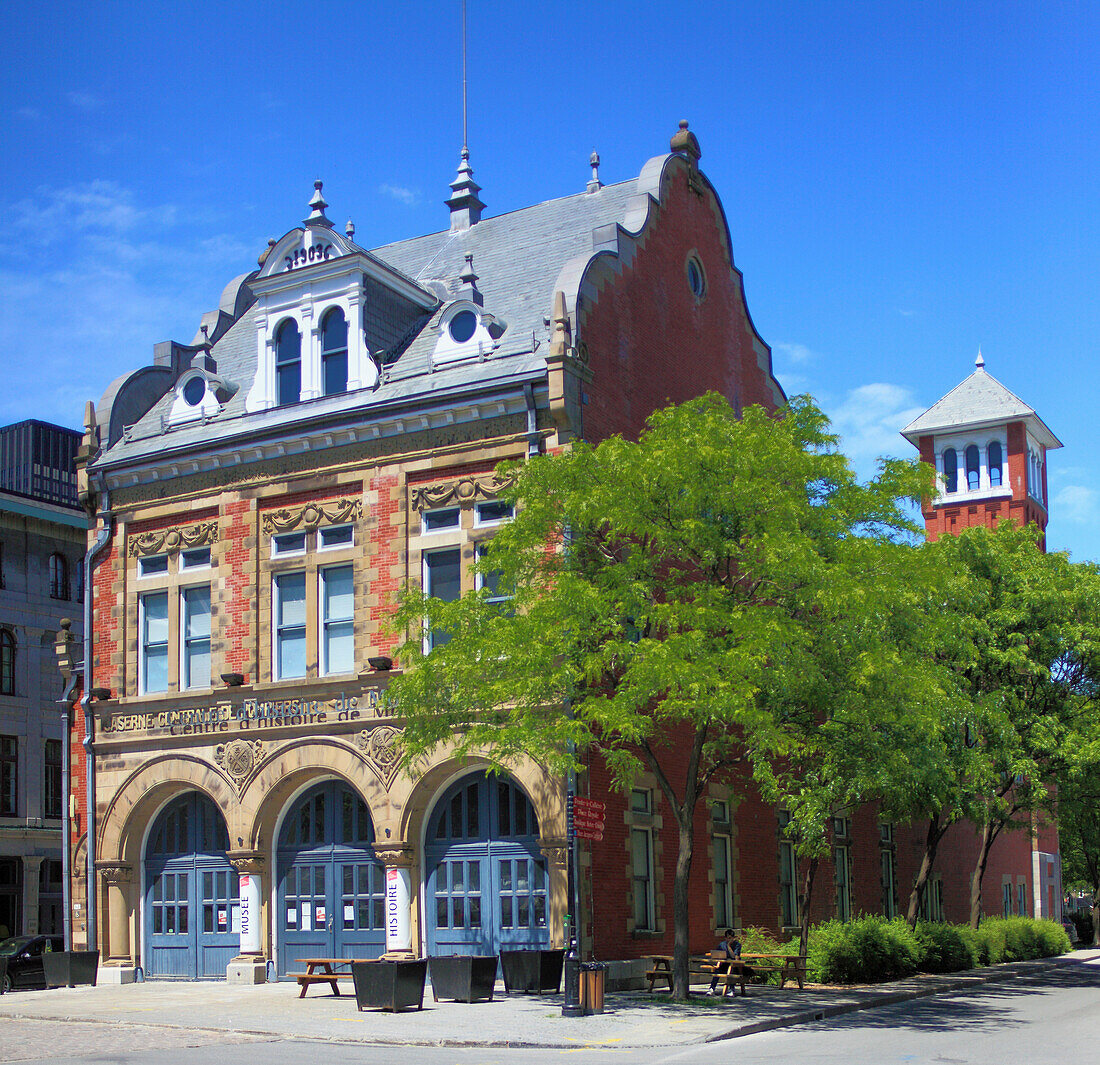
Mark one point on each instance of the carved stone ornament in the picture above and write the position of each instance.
(467, 490)
(312, 515)
(115, 872)
(390, 854)
(380, 748)
(238, 758)
(173, 540)
(555, 853)
(247, 861)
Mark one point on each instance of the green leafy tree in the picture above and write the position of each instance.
(1079, 833)
(1033, 628)
(653, 582)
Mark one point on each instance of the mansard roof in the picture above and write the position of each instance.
(979, 401)
(521, 258)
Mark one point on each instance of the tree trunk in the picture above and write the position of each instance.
(681, 953)
(936, 832)
(804, 905)
(1096, 917)
(989, 834)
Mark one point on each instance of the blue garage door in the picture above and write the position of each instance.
(332, 889)
(192, 907)
(487, 887)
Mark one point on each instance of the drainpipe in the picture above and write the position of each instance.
(66, 703)
(103, 536)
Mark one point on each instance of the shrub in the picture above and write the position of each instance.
(1020, 938)
(867, 950)
(945, 948)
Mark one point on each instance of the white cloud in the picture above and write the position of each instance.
(869, 420)
(409, 197)
(31, 113)
(59, 213)
(1078, 504)
(794, 353)
(86, 101)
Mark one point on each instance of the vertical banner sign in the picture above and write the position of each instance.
(398, 909)
(250, 913)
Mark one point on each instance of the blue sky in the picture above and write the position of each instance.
(903, 181)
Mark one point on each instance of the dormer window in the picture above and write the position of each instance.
(973, 468)
(996, 461)
(334, 352)
(194, 390)
(462, 326)
(288, 363)
(466, 331)
(950, 470)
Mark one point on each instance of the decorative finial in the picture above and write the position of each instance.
(979, 361)
(594, 183)
(271, 242)
(469, 288)
(464, 203)
(317, 216)
(349, 230)
(686, 143)
(205, 336)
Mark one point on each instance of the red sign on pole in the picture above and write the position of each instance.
(594, 837)
(589, 807)
(588, 819)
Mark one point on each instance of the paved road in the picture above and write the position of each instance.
(1049, 1018)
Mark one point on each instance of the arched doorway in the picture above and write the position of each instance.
(487, 886)
(192, 908)
(331, 888)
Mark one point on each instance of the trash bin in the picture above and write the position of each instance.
(593, 978)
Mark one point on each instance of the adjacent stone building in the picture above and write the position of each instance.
(42, 535)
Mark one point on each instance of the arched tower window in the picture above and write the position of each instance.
(973, 468)
(951, 470)
(288, 363)
(334, 352)
(7, 663)
(59, 577)
(996, 460)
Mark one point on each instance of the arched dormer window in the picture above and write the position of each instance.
(973, 468)
(996, 461)
(951, 470)
(334, 352)
(59, 577)
(7, 663)
(288, 363)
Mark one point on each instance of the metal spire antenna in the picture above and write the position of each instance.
(465, 139)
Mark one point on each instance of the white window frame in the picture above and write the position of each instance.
(481, 522)
(644, 909)
(146, 568)
(426, 583)
(788, 888)
(436, 512)
(193, 558)
(279, 539)
(889, 882)
(277, 628)
(324, 622)
(186, 681)
(842, 863)
(721, 843)
(327, 531)
(144, 643)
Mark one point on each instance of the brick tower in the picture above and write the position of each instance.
(989, 449)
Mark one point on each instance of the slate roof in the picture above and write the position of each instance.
(979, 400)
(517, 256)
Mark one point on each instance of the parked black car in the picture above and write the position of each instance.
(21, 960)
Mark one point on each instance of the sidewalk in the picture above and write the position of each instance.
(632, 1019)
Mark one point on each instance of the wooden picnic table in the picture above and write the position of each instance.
(713, 964)
(332, 970)
(789, 966)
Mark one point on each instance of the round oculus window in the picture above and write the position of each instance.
(193, 391)
(697, 280)
(462, 326)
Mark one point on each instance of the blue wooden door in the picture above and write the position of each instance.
(331, 898)
(487, 888)
(192, 908)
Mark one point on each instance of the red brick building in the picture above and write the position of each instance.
(329, 434)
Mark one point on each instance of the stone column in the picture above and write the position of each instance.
(250, 965)
(32, 870)
(556, 853)
(119, 966)
(398, 861)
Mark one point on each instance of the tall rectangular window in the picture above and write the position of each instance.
(154, 642)
(442, 580)
(788, 868)
(337, 620)
(52, 779)
(9, 775)
(195, 651)
(1021, 898)
(722, 851)
(641, 852)
(1006, 903)
(889, 903)
(290, 625)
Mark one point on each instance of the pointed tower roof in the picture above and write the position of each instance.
(980, 400)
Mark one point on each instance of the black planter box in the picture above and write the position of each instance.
(465, 978)
(530, 971)
(389, 985)
(67, 968)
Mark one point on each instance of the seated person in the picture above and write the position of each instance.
(731, 947)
